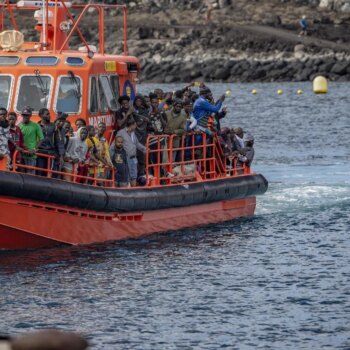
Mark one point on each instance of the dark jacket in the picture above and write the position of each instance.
(47, 145)
(60, 142)
(120, 162)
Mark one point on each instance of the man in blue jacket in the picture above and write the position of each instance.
(202, 108)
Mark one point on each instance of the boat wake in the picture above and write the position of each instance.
(303, 197)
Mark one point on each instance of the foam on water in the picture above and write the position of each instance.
(297, 198)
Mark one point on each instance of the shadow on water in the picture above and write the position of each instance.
(161, 243)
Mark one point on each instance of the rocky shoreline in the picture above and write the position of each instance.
(245, 41)
(245, 70)
(177, 46)
(210, 54)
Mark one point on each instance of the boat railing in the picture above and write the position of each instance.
(99, 175)
(169, 160)
(188, 158)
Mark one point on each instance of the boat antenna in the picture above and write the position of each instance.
(43, 87)
(44, 14)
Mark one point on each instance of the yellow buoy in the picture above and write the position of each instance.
(279, 92)
(320, 85)
(254, 92)
(300, 92)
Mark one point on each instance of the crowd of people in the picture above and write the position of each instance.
(83, 150)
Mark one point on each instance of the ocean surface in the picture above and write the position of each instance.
(279, 280)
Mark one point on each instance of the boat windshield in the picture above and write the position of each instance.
(5, 88)
(34, 91)
(114, 80)
(69, 94)
(108, 93)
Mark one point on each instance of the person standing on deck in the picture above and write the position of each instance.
(59, 142)
(75, 153)
(120, 163)
(17, 138)
(176, 124)
(124, 113)
(131, 145)
(5, 138)
(156, 126)
(191, 121)
(47, 145)
(32, 134)
(101, 129)
(202, 108)
(246, 155)
(141, 116)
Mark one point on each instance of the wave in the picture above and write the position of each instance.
(303, 197)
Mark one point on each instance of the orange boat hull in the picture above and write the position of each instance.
(28, 224)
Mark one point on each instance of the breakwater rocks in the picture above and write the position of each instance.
(242, 41)
(246, 70)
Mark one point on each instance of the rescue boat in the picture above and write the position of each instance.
(85, 81)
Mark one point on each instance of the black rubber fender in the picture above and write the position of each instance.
(129, 199)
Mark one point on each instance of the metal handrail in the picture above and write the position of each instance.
(209, 163)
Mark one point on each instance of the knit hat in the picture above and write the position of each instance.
(204, 91)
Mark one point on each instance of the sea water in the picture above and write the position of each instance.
(279, 280)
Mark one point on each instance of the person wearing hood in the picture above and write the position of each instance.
(75, 153)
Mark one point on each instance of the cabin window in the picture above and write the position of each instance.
(69, 94)
(34, 91)
(93, 96)
(103, 99)
(5, 90)
(75, 61)
(42, 61)
(114, 79)
(9, 60)
(108, 93)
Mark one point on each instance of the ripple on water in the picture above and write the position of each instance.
(279, 280)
